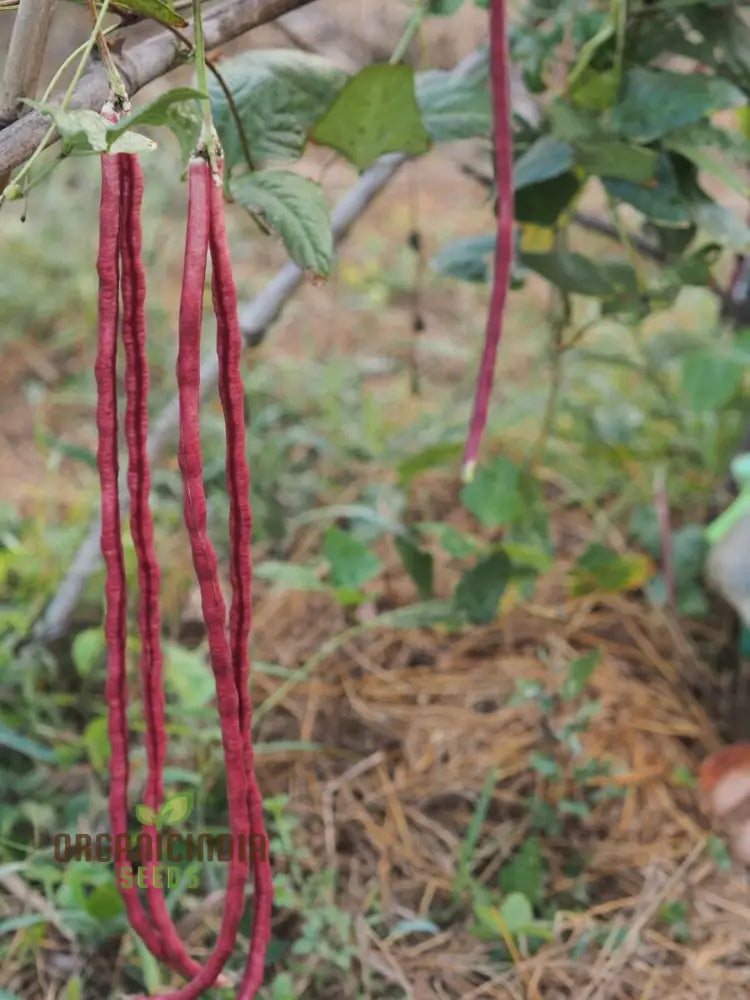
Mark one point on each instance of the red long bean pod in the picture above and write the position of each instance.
(205, 564)
(229, 349)
(142, 530)
(503, 149)
(115, 623)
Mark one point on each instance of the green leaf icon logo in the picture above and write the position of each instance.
(176, 809)
(146, 815)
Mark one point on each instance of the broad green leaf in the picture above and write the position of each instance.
(145, 814)
(570, 271)
(710, 380)
(87, 650)
(457, 544)
(595, 91)
(480, 588)
(376, 112)
(620, 160)
(542, 204)
(11, 740)
(105, 902)
(466, 259)
(176, 808)
(155, 113)
(295, 208)
(289, 575)
(453, 108)
(721, 223)
(494, 496)
(279, 95)
(547, 158)
(132, 142)
(578, 674)
(418, 564)
(351, 562)
(572, 124)
(524, 872)
(655, 102)
(709, 162)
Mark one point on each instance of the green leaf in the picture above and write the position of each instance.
(443, 453)
(466, 259)
(710, 380)
(578, 674)
(279, 95)
(570, 271)
(596, 91)
(600, 568)
(480, 588)
(494, 496)
(443, 8)
(655, 102)
(12, 740)
(376, 112)
(721, 223)
(351, 562)
(294, 207)
(157, 10)
(188, 677)
(542, 204)
(81, 129)
(516, 912)
(418, 564)
(289, 575)
(131, 142)
(456, 543)
(105, 902)
(176, 808)
(546, 158)
(96, 741)
(661, 200)
(619, 160)
(87, 650)
(452, 108)
(145, 814)
(707, 161)
(524, 872)
(155, 113)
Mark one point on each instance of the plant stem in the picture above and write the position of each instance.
(207, 132)
(412, 27)
(68, 94)
(116, 85)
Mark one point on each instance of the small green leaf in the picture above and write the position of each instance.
(467, 259)
(105, 902)
(155, 113)
(600, 568)
(81, 129)
(619, 160)
(418, 564)
(431, 457)
(710, 380)
(376, 112)
(176, 808)
(188, 677)
(157, 10)
(289, 575)
(480, 588)
(595, 91)
(578, 674)
(457, 544)
(542, 204)
(524, 872)
(351, 562)
(494, 496)
(516, 912)
(570, 271)
(145, 814)
(443, 8)
(661, 200)
(96, 741)
(295, 208)
(547, 158)
(88, 648)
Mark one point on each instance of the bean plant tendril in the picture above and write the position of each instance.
(503, 152)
